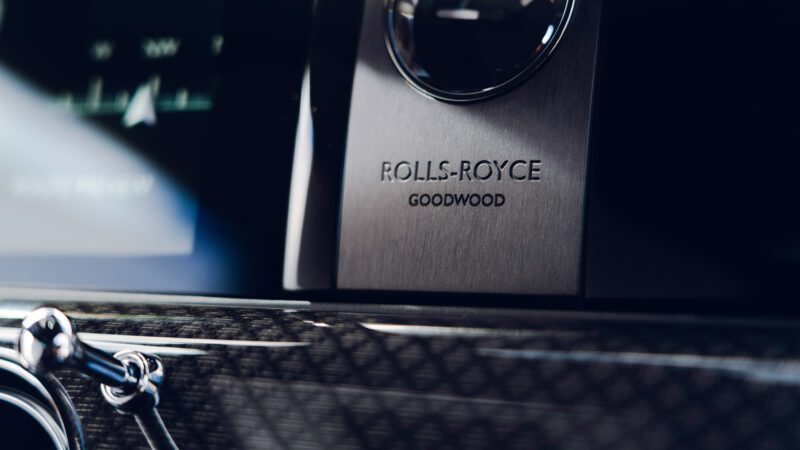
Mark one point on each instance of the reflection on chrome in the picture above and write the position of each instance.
(158, 345)
(458, 14)
(548, 35)
(298, 191)
(162, 340)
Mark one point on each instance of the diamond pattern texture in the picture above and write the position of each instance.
(386, 381)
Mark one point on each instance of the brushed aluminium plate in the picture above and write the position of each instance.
(531, 244)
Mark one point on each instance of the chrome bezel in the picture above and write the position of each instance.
(465, 97)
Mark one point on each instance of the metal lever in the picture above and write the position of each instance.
(129, 380)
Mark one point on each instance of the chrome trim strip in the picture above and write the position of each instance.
(767, 371)
(460, 332)
(114, 347)
(298, 191)
(75, 296)
(159, 345)
(8, 336)
(7, 353)
(163, 340)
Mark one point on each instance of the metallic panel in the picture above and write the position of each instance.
(532, 243)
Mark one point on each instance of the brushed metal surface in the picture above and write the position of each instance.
(529, 245)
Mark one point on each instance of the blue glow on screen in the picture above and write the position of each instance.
(69, 188)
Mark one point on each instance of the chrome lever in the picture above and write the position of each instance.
(129, 380)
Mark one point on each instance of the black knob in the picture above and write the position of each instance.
(463, 50)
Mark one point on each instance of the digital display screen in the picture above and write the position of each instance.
(129, 158)
(76, 189)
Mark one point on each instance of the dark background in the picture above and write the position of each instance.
(692, 174)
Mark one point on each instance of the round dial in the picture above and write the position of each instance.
(464, 50)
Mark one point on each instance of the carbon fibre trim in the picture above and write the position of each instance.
(457, 381)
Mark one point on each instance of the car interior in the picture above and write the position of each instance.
(399, 224)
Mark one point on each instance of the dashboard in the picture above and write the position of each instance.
(399, 224)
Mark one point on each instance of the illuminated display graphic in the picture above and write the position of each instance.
(145, 144)
(100, 102)
(77, 190)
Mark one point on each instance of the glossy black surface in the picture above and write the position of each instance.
(20, 431)
(400, 377)
(331, 61)
(692, 177)
(456, 50)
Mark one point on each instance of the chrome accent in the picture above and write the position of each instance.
(461, 332)
(142, 402)
(113, 347)
(46, 391)
(129, 381)
(295, 275)
(108, 343)
(144, 396)
(38, 413)
(9, 363)
(51, 296)
(400, 17)
(48, 341)
(166, 341)
(156, 344)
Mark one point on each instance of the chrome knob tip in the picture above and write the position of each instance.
(47, 340)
